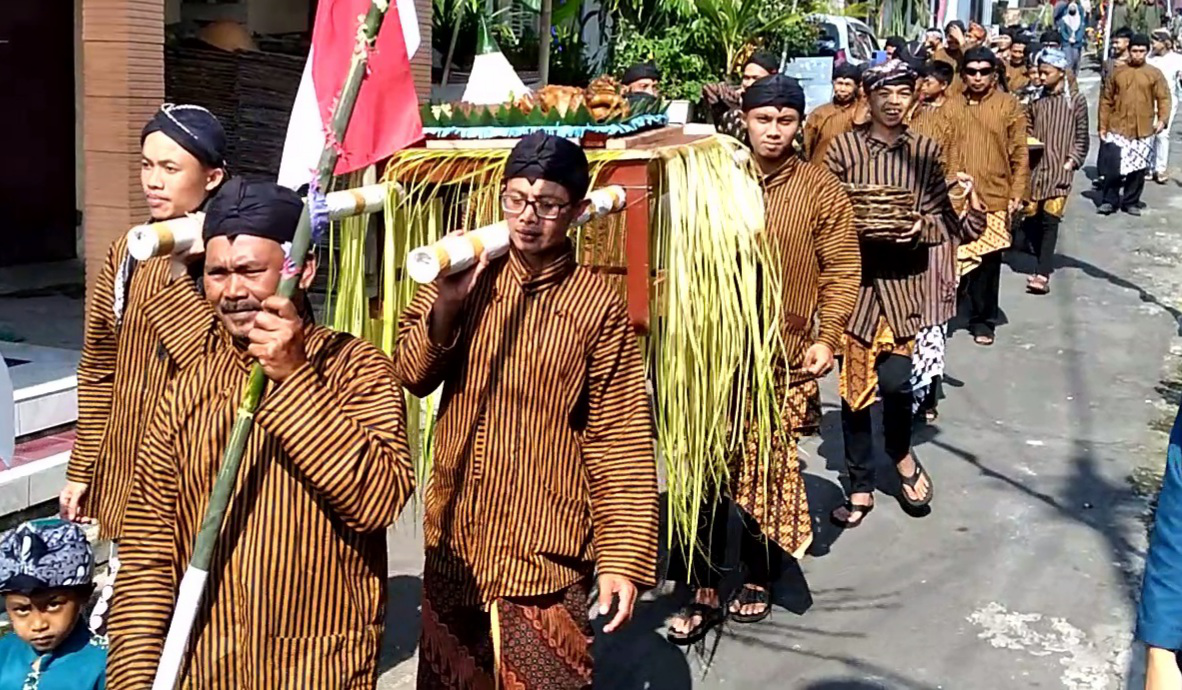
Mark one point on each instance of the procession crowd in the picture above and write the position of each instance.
(542, 501)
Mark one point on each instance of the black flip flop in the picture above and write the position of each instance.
(747, 596)
(711, 616)
(910, 483)
(852, 509)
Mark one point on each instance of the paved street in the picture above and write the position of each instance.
(1026, 572)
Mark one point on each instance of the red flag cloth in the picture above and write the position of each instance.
(386, 115)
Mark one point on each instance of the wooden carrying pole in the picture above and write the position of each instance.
(192, 588)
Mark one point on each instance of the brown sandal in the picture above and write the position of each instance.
(1038, 285)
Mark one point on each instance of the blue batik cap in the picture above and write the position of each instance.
(45, 554)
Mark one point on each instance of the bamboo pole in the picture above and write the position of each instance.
(192, 586)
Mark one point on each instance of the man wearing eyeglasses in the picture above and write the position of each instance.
(994, 153)
(544, 473)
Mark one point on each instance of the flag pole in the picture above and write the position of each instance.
(192, 587)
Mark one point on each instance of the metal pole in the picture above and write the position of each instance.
(1111, 4)
(192, 587)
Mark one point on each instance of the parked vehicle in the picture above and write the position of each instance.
(844, 39)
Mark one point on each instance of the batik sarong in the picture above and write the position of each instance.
(995, 238)
(529, 643)
(859, 364)
(1135, 154)
(927, 362)
(772, 493)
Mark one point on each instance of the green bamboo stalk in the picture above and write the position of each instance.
(192, 585)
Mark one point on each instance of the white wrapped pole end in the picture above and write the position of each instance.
(354, 202)
(456, 253)
(165, 238)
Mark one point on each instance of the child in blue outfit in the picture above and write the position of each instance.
(46, 578)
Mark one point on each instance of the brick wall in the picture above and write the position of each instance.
(123, 85)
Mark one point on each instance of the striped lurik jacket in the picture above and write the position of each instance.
(297, 589)
(1060, 122)
(823, 125)
(811, 223)
(893, 276)
(544, 464)
(126, 365)
(995, 152)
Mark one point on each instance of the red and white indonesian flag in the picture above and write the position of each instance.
(386, 115)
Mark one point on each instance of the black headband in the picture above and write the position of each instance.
(194, 129)
(257, 208)
(764, 59)
(776, 90)
(541, 156)
(643, 70)
(847, 70)
(980, 54)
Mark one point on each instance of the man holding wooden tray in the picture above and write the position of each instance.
(882, 161)
(544, 475)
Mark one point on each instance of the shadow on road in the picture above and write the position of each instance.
(1093, 271)
(638, 657)
(403, 619)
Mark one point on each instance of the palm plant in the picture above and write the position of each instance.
(733, 25)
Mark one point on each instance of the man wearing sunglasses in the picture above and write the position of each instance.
(544, 473)
(994, 153)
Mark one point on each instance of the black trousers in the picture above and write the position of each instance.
(894, 385)
(1132, 185)
(1045, 235)
(706, 565)
(981, 288)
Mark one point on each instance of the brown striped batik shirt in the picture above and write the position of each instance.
(126, 365)
(823, 125)
(1060, 122)
(1132, 98)
(1016, 77)
(893, 275)
(811, 223)
(297, 589)
(544, 463)
(995, 151)
(943, 122)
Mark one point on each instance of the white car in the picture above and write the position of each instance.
(844, 39)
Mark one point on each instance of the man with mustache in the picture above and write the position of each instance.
(810, 222)
(994, 153)
(835, 118)
(297, 587)
(544, 474)
(879, 338)
(143, 325)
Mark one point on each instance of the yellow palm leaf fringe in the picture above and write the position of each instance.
(714, 349)
(715, 336)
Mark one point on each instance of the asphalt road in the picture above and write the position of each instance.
(1025, 574)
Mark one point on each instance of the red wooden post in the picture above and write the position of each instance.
(632, 175)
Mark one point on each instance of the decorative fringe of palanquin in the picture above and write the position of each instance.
(881, 212)
(714, 327)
